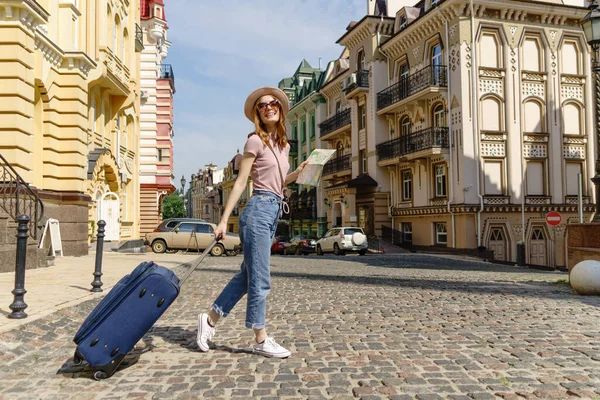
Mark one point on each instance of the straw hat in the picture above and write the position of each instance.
(263, 91)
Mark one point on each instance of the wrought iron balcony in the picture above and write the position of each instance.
(337, 164)
(166, 72)
(139, 38)
(435, 137)
(358, 79)
(293, 146)
(339, 120)
(431, 76)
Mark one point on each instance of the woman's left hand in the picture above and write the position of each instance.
(301, 167)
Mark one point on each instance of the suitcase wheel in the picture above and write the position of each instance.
(98, 375)
(77, 358)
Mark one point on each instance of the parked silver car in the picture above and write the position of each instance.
(192, 236)
(343, 240)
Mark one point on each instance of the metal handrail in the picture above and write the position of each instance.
(433, 75)
(337, 164)
(397, 238)
(166, 72)
(434, 137)
(340, 119)
(16, 198)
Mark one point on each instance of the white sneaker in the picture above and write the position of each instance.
(270, 348)
(205, 332)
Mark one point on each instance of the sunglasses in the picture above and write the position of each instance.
(273, 103)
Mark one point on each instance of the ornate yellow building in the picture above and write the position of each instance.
(70, 99)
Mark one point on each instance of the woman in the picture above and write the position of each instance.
(266, 158)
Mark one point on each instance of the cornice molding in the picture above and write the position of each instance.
(557, 15)
(28, 12)
(50, 50)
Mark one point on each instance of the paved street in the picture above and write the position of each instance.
(375, 327)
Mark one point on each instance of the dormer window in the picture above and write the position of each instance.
(403, 22)
(435, 3)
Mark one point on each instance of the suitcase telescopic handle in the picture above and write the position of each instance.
(199, 260)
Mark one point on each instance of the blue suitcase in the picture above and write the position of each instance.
(127, 312)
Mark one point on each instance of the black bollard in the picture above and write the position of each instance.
(97, 283)
(18, 304)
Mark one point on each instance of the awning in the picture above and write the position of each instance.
(363, 180)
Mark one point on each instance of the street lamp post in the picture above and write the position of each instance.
(591, 29)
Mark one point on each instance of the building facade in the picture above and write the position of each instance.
(205, 193)
(464, 124)
(70, 105)
(156, 118)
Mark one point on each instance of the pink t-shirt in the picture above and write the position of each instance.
(265, 172)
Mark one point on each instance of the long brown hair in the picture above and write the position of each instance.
(261, 130)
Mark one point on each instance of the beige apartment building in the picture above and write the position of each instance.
(70, 101)
(157, 87)
(464, 124)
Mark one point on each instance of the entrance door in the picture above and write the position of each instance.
(497, 243)
(538, 247)
(109, 210)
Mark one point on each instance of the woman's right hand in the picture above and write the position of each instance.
(220, 231)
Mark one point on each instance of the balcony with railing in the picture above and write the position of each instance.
(430, 138)
(293, 146)
(166, 72)
(338, 164)
(338, 121)
(433, 76)
(139, 38)
(356, 83)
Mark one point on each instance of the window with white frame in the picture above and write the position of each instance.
(362, 114)
(403, 72)
(363, 161)
(361, 60)
(406, 185)
(441, 235)
(403, 22)
(405, 126)
(440, 180)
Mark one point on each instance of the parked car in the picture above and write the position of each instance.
(343, 240)
(182, 238)
(278, 246)
(300, 245)
(169, 224)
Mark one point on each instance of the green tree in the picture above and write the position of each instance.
(172, 206)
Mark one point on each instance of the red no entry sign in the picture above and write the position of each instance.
(553, 218)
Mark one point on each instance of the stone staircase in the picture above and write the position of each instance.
(36, 258)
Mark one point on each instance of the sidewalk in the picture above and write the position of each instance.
(69, 281)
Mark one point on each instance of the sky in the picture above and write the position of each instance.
(222, 50)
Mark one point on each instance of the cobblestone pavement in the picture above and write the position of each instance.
(374, 327)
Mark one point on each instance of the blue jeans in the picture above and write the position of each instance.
(258, 222)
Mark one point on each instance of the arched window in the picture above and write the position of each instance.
(405, 126)
(534, 117)
(436, 55)
(124, 47)
(491, 111)
(439, 116)
(572, 119)
(116, 30)
(360, 60)
(109, 21)
(403, 72)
